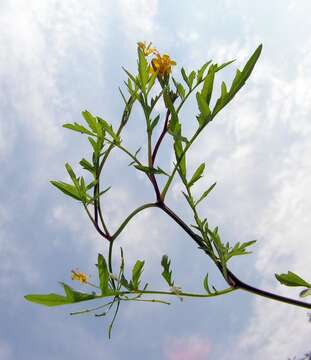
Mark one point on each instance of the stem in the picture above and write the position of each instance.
(94, 223)
(168, 183)
(182, 224)
(231, 279)
(184, 294)
(129, 217)
(148, 300)
(97, 206)
(190, 91)
(125, 150)
(110, 262)
(102, 219)
(243, 286)
(123, 122)
(156, 148)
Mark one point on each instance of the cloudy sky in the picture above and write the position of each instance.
(58, 58)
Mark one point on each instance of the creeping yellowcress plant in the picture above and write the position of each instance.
(113, 287)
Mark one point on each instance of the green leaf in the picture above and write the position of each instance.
(79, 128)
(91, 120)
(197, 174)
(154, 122)
(189, 200)
(240, 249)
(67, 189)
(151, 81)
(136, 274)
(125, 283)
(191, 78)
(204, 109)
(48, 299)
(180, 89)
(167, 272)
(292, 279)
(132, 77)
(208, 84)
(220, 67)
(123, 97)
(237, 83)
(220, 248)
(241, 77)
(304, 293)
(52, 299)
(203, 196)
(177, 134)
(174, 121)
(107, 127)
(180, 157)
(148, 170)
(206, 285)
(142, 70)
(91, 185)
(185, 77)
(95, 146)
(87, 166)
(76, 296)
(72, 175)
(91, 199)
(103, 274)
(200, 72)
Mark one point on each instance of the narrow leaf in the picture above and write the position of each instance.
(48, 299)
(103, 274)
(292, 279)
(206, 285)
(203, 196)
(197, 175)
(67, 189)
(304, 293)
(91, 120)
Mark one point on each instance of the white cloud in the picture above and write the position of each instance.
(188, 348)
(36, 41)
(138, 17)
(282, 220)
(6, 352)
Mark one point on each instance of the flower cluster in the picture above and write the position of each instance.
(160, 64)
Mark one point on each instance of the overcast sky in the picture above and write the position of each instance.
(58, 58)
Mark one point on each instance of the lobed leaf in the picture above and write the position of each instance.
(79, 128)
(136, 274)
(167, 272)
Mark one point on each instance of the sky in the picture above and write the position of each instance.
(58, 58)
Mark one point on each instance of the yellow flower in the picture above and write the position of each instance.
(79, 276)
(146, 49)
(162, 65)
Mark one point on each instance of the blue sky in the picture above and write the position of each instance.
(58, 58)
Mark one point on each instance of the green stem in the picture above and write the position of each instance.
(149, 300)
(171, 177)
(124, 150)
(183, 294)
(130, 216)
(110, 262)
(189, 93)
